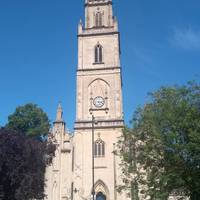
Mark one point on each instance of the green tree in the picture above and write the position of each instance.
(30, 120)
(22, 165)
(164, 142)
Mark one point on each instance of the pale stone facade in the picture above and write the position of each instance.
(99, 94)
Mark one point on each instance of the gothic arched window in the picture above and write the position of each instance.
(98, 19)
(98, 53)
(99, 148)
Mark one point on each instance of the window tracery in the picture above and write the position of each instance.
(98, 19)
(99, 148)
(98, 53)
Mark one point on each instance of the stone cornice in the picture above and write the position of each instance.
(102, 124)
(98, 4)
(98, 34)
(108, 28)
(98, 69)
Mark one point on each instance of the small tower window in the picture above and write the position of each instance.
(98, 19)
(99, 148)
(98, 54)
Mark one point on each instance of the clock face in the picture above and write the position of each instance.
(99, 102)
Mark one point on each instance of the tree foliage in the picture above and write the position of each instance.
(162, 149)
(22, 165)
(29, 119)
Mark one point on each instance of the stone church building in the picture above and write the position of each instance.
(84, 163)
(85, 167)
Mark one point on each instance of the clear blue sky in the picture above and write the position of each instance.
(160, 42)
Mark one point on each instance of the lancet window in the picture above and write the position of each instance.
(98, 53)
(98, 19)
(99, 148)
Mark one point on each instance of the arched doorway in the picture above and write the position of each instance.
(100, 196)
(101, 191)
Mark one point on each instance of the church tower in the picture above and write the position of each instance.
(84, 164)
(99, 73)
(99, 97)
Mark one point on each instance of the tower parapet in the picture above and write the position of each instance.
(98, 14)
